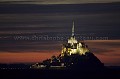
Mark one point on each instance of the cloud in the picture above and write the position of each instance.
(89, 18)
(55, 20)
(58, 1)
(31, 46)
(48, 24)
(101, 50)
(105, 47)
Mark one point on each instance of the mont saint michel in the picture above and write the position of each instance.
(74, 55)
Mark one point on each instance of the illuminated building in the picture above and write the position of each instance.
(73, 46)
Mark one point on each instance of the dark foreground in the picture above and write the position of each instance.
(108, 73)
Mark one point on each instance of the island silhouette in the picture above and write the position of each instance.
(74, 55)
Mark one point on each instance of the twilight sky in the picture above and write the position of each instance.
(31, 31)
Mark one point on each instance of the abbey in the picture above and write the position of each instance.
(73, 46)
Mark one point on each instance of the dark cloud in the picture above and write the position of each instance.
(105, 47)
(101, 51)
(30, 46)
(63, 8)
(55, 20)
(56, 1)
(29, 20)
(110, 44)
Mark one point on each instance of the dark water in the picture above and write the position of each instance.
(58, 74)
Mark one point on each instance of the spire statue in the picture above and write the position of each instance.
(73, 29)
(72, 38)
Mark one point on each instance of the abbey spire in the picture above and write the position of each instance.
(73, 29)
(72, 38)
